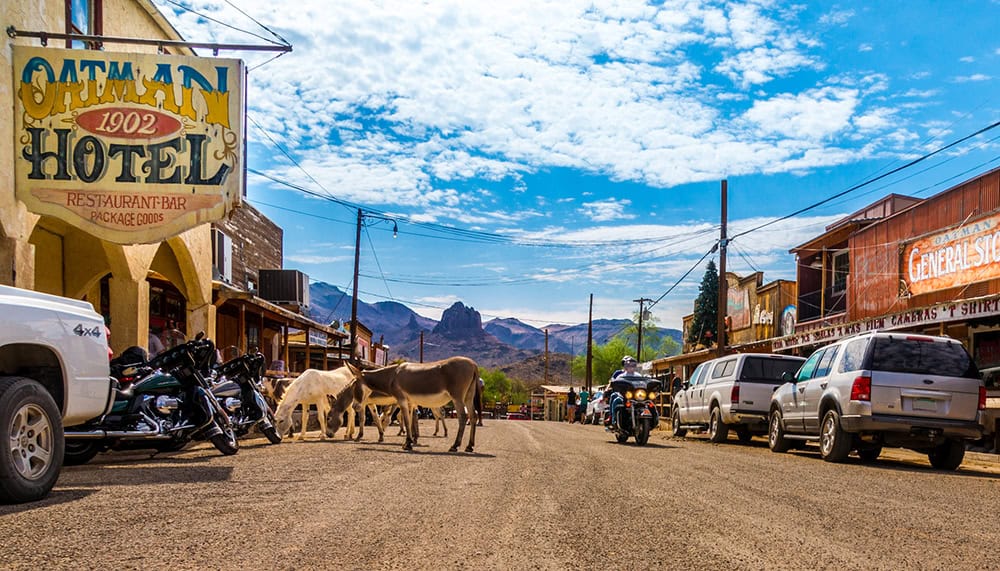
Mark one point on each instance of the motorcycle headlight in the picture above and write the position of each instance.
(652, 395)
(640, 394)
(628, 394)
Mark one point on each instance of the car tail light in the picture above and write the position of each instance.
(734, 396)
(982, 398)
(862, 388)
(919, 338)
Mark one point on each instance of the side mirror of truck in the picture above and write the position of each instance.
(787, 377)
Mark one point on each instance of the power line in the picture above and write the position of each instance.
(871, 180)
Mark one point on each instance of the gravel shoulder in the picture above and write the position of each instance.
(534, 494)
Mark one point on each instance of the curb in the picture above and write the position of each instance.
(985, 457)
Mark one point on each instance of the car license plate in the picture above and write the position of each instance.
(925, 405)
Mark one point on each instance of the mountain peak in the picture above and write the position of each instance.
(460, 322)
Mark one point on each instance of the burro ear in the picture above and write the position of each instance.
(354, 370)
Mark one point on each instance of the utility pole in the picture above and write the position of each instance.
(590, 344)
(357, 263)
(720, 324)
(421, 346)
(354, 301)
(638, 341)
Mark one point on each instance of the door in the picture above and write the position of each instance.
(812, 390)
(718, 372)
(791, 404)
(683, 397)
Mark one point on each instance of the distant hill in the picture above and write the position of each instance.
(497, 343)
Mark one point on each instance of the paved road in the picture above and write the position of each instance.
(544, 495)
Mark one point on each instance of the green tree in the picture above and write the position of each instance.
(607, 359)
(651, 338)
(498, 387)
(706, 309)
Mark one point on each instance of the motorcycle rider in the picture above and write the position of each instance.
(628, 369)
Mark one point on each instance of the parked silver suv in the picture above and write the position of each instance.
(882, 389)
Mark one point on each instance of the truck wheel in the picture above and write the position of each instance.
(79, 452)
(776, 440)
(675, 424)
(744, 435)
(718, 431)
(31, 440)
(948, 456)
(834, 443)
(869, 454)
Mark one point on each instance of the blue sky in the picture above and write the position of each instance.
(534, 153)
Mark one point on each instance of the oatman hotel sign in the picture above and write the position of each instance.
(132, 148)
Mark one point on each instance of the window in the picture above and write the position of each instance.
(768, 370)
(854, 356)
(724, 368)
(84, 17)
(841, 267)
(806, 372)
(901, 355)
(825, 364)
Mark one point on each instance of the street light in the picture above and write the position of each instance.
(357, 263)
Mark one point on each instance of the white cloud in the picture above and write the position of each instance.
(837, 17)
(865, 48)
(967, 59)
(314, 259)
(606, 210)
(812, 115)
(973, 77)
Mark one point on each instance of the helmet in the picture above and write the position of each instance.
(628, 359)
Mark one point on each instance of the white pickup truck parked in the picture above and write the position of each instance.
(731, 392)
(53, 372)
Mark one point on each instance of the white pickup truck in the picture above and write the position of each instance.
(731, 392)
(53, 373)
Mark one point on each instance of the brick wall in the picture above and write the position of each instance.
(257, 243)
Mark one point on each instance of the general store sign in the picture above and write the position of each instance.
(132, 148)
(962, 255)
(941, 313)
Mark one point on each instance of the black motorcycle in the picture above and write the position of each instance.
(635, 412)
(237, 389)
(162, 403)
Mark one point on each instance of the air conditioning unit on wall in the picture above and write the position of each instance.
(289, 287)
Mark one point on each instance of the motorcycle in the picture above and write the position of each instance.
(238, 390)
(163, 403)
(635, 412)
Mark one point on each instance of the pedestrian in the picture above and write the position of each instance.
(584, 399)
(571, 406)
(155, 344)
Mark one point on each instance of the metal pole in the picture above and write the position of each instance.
(354, 300)
(720, 324)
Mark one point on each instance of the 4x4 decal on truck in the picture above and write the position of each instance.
(87, 331)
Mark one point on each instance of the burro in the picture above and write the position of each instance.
(89, 159)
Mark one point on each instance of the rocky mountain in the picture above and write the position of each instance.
(500, 342)
(395, 322)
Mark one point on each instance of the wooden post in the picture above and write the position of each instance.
(284, 350)
(242, 343)
(720, 324)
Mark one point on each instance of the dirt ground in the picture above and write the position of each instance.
(533, 495)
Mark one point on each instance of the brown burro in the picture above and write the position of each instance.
(428, 384)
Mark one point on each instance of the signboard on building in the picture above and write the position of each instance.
(738, 307)
(961, 255)
(132, 148)
(317, 338)
(940, 313)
